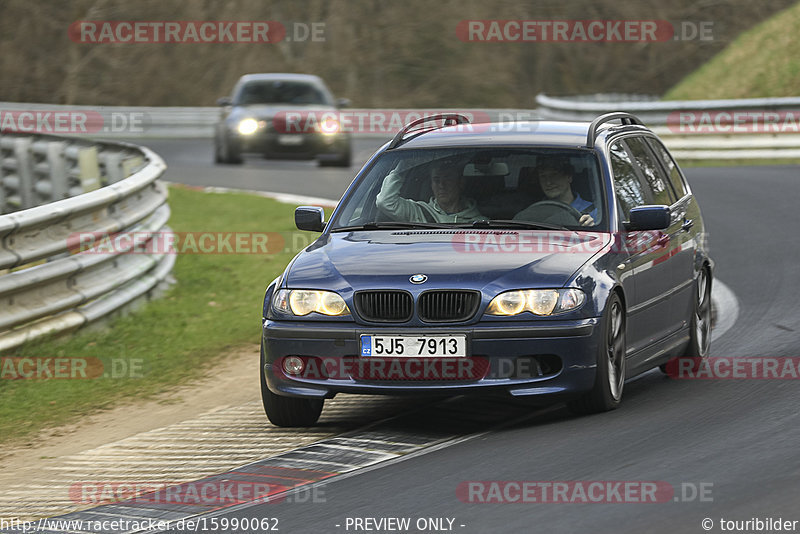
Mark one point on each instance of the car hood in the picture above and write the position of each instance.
(470, 259)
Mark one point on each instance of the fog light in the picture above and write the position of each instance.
(293, 365)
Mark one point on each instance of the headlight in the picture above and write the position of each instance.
(536, 301)
(247, 126)
(304, 301)
(329, 126)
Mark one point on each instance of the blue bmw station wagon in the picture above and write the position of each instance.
(535, 259)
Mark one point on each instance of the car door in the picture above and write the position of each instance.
(687, 212)
(647, 267)
(670, 252)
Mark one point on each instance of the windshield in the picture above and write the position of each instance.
(280, 92)
(484, 187)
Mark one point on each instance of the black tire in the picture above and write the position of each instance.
(228, 154)
(699, 325)
(606, 394)
(345, 159)
(288, 411)
(700, 331)
(217, 155)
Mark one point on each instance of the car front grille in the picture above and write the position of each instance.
(447, 305)
(384, 306)
(437, 306)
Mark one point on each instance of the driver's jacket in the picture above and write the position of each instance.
(402, 209)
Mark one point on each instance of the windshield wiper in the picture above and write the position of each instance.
(391, 225)
(505, 223)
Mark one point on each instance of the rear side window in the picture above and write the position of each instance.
(675, 177)
(626, 182)
(658, 183)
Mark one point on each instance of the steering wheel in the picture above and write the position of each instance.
(552, 211)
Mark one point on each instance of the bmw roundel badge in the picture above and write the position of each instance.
(418, 279)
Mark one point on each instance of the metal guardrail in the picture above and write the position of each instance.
(198, 122)
(652, 112)
(127, 121)
(46, 284)
(661, 117)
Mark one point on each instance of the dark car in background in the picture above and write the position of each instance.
(289, 116)
(572, 257)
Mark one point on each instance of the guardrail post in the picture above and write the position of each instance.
(111, 167)
(22, 153)
(88, 169)
(58, 170)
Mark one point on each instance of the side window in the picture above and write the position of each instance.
(659, 187)
(629, 189)
(675, 177)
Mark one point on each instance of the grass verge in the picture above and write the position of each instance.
(215, 305)
(762, 62)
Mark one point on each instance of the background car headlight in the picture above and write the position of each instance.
(247, 126)
(329, 126)
(536, 301)
(304, 301)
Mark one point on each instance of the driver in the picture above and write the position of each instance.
(555, 180)
(448, 204)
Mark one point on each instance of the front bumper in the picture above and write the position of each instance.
(302, 145)
(504, 357)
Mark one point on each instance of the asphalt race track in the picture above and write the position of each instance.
(735, 439)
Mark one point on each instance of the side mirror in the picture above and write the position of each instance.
(311, 218)
(342, 103)
(224, 101)
(649, 218)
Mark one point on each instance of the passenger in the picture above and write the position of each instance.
(447, 205)
(555, 180)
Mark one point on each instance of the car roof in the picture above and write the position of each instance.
(547, 133)
(287, 77)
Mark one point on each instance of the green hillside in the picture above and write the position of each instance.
(762, 62)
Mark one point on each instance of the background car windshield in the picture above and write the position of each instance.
(280, 92)
(546, 186)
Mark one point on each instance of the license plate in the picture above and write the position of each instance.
(446, 346)
(290, 140)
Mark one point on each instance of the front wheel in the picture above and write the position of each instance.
(609, 381)
(288, 411)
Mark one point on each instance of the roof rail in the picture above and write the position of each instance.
(624, 118)
(450, 119)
